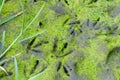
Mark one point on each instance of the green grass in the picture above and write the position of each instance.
(10, 18)
(2, 42)
(22, 32)
(16, 68)
(3, 51)
(32, 36)
(1, 4)
(87, 54)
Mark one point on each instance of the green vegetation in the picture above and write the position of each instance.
(59, 40)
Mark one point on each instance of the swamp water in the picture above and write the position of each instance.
(77, 40)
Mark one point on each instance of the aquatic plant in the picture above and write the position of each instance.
(79, 41)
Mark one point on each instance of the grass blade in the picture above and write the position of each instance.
(10, 18)
(8, 59)
(10, 45)
(1, 4)
(3, 69)
(22, 32)
(3, 40)
(35, 17)
(16, 68)
(3, 61)
(23, 16)
(36, 77)
(32, 36)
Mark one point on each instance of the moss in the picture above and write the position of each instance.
(85, 47)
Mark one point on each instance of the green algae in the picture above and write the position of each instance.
(87, 50)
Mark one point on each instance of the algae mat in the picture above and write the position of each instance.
(66, 40)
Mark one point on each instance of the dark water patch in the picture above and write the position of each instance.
(92, 1)
(40, 43)
(80, 30)
(74, 28)
(96, 21)
(64, 55)
(72, 32)
(65, 45)
(55, 44)
(66, 71)
(36, 51)
(70, 71)
(35, 66)
(74, 22)
(66, 1)
(31, 43)
(65, 21)
(40, 23)
(59, 66)
(35, 0)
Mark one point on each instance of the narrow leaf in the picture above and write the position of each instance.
(10, 18)
(16, 68)
(3, 40)
(20, 34)
(3, 69)
(32, 36)
(1, 4)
